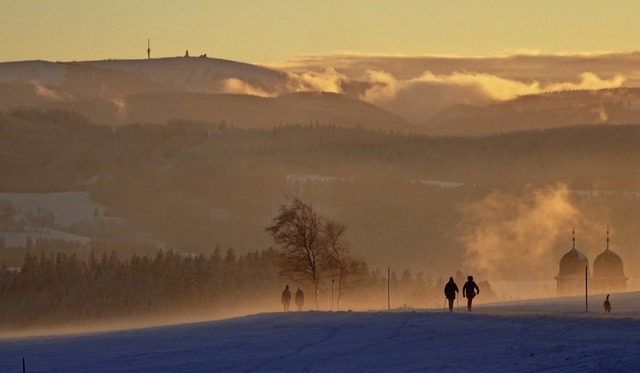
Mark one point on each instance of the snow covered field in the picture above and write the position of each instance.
(530, 336)
(67, 207)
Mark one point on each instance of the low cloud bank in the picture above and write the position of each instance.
(237, 86)
(43, 91)
(421, 97)
(415, 88)
(327, 80)
(386, 87)
(419, 87)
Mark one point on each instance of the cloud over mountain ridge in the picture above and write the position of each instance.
(417, 90)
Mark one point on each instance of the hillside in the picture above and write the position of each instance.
(410, 201)
(202, 89)
(551, 110)
(244, 111)
(243, 95)
(502, 338)
(201, 75)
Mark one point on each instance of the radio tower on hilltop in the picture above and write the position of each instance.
(148, 49)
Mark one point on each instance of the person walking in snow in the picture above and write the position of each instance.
(299, 299)
(286, 298)
(450, 290)
(470, 290)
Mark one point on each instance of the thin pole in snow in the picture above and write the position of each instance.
(388, 288)
(586, 289)
(332, 280)
(24, 366)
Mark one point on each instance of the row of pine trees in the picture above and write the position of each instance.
(53, 289)
(59, 288)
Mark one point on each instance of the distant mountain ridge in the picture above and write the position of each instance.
(246, 111)
(176, 73)
(550, 110)
(218, 91)
(198, 74)
(203, 89)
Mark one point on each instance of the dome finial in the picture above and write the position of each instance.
(607, 238)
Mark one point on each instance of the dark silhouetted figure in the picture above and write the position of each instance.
(607, 305)
(470, 290)
(299, 299)
(286, 298)
(450, 290)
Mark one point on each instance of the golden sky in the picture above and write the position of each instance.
(261, 31)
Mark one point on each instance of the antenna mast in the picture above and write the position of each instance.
(148, 49)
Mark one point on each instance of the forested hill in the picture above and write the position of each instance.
(195, 186)
(56, 151)
(541, 111)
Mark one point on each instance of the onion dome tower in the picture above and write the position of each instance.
(608, 272)
(570, 278)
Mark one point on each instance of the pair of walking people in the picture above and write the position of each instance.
(469, 291)
(286, 298)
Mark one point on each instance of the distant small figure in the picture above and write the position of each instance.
(286, 298)
(607, 305)
(450, 290)
(470, 290)
(299, 299)
(186, 53)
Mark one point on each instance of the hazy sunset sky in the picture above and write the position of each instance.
(266, 31)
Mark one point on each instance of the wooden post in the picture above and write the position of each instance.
(388, 288)
(586, 289)
(332, 280)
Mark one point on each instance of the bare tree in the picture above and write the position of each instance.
(297, 230)
(349, 271)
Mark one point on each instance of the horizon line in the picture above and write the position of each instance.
(361, 55)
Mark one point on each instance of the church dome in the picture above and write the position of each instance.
(608, 264)
(573, 263)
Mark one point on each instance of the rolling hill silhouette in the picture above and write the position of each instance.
(561, 109)
(202, 89)
(243, 95)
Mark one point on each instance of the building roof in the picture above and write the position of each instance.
(608, 265)
(573, 263)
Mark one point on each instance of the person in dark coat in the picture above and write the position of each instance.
(286, 298)
(299, 299)
(450, 290)
(470, 290)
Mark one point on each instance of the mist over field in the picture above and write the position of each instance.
(161, 176)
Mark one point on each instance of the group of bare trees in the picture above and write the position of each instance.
(314, 249)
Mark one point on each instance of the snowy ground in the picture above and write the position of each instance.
(67, 207)
(533, 336)
(19, 239)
